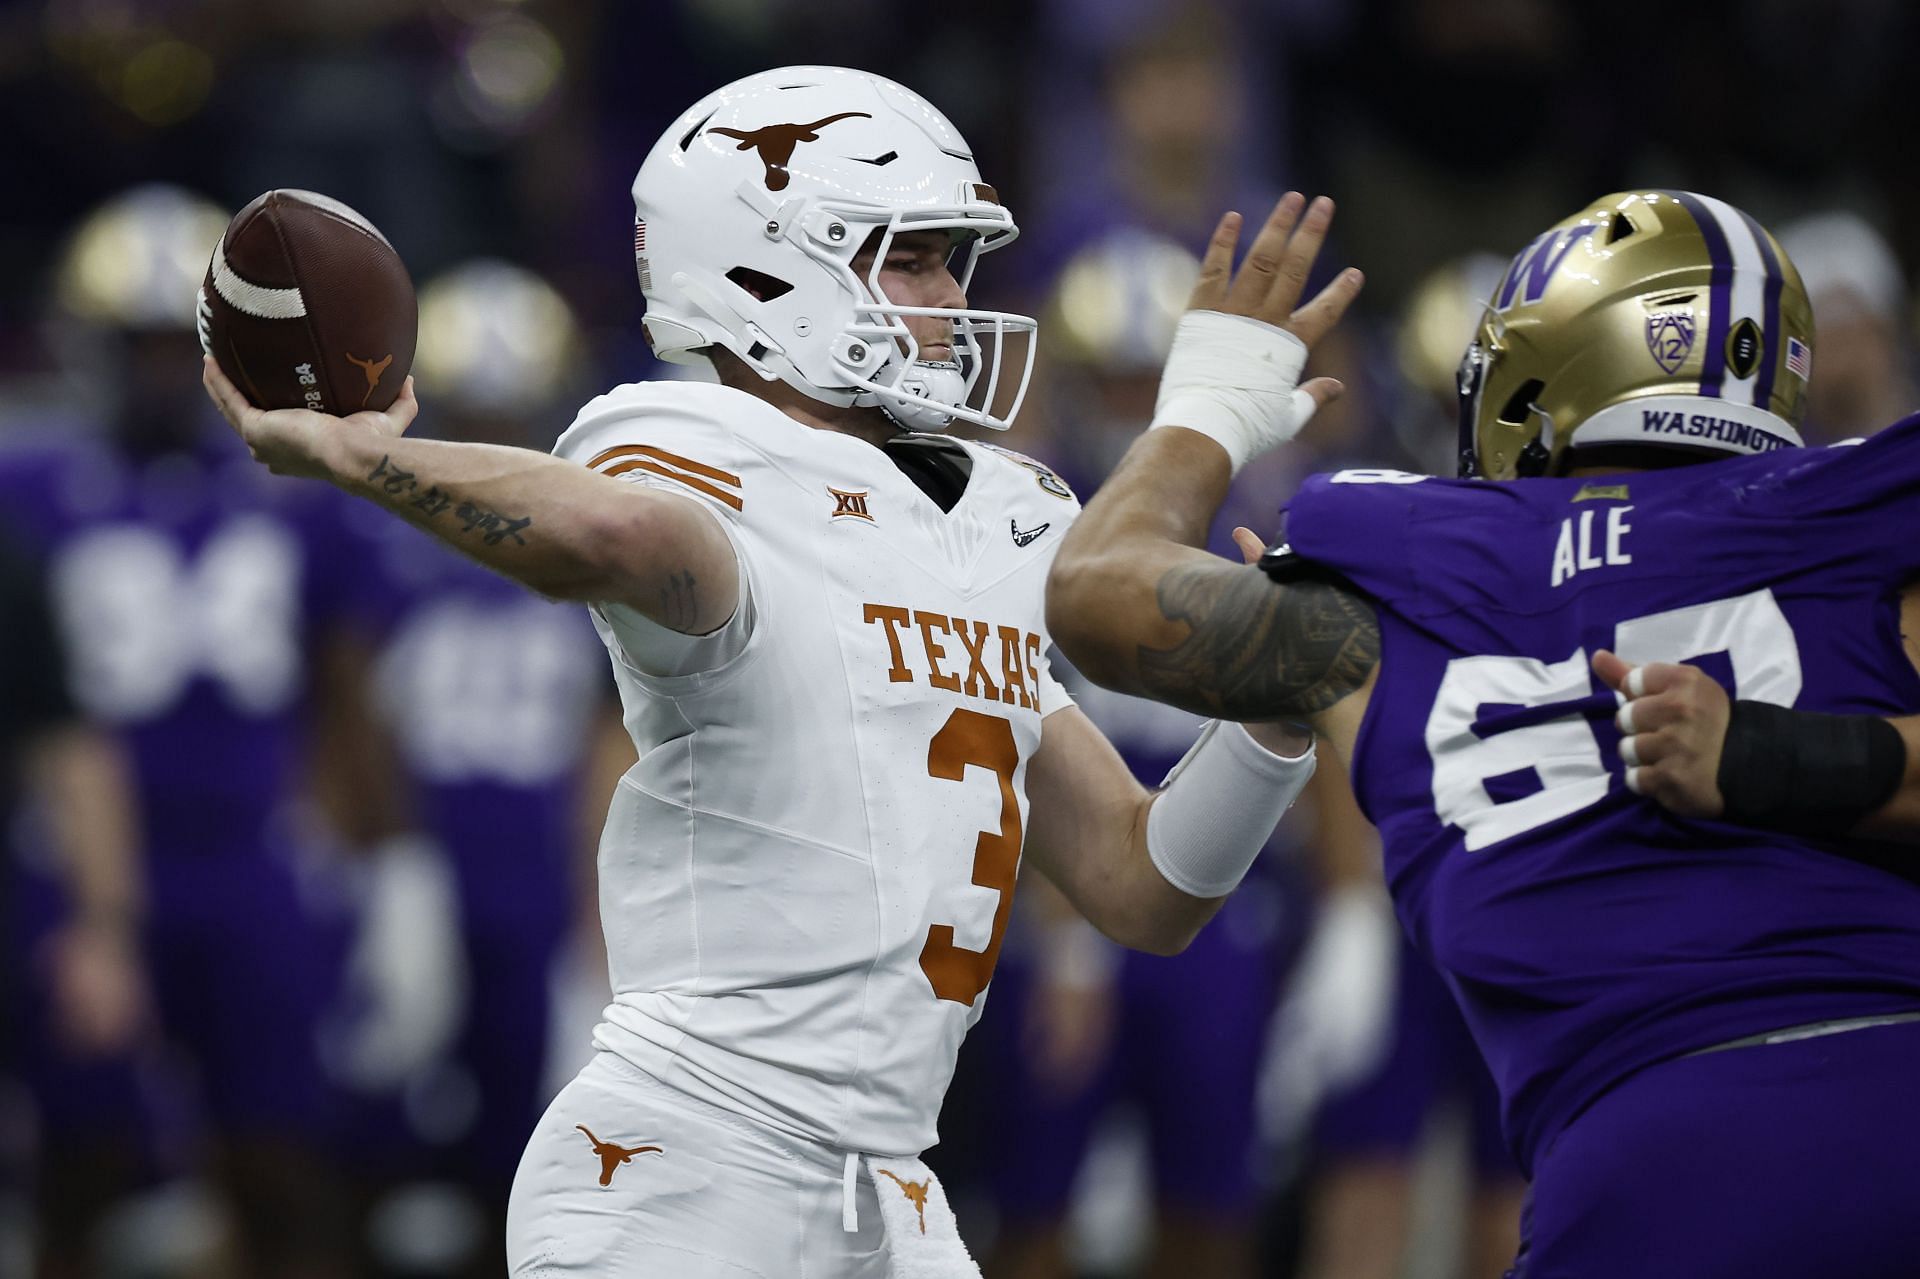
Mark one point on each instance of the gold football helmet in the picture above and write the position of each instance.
(137, 260)
(1657, 318)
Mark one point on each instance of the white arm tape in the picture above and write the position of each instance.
(1217, 808)
(1235, 380)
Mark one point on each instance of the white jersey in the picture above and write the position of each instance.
(806, 878)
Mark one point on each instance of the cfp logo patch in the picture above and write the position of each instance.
(848, 505)
(1670, 337)
(1744, 347)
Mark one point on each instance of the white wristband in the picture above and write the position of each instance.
(1235, 380)
(1217, 808)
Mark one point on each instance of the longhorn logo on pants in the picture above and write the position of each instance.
(612, 1156)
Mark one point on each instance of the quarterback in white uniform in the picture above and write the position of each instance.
(827, 624)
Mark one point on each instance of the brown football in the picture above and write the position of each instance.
(306, 305)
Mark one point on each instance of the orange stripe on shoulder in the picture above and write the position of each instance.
(691, 481)
(671, 459)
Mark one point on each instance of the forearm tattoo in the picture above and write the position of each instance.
(433, 502)
(678, 604)
(1258, 649)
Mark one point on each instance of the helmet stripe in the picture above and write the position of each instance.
(1771, 339)
(1720, 300)
(1746, 292)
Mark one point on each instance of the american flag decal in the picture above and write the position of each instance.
(639, 236)
(1799, 358)
(640, 255)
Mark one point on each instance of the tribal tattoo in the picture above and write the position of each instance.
(433, 502)
(1258, 649)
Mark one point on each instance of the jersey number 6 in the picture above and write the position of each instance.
(969, 737)
(1557, 761)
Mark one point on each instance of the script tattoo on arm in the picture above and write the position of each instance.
(404, 487)
(1258, 649)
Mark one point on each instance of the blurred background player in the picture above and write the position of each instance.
(1097, 1052)
(509, 731)
(73, 985)
(209, 617)
(1864, 316)
(1375, 1076)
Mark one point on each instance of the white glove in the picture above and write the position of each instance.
(1235, 380)
(407, 973)
(1335, 1020)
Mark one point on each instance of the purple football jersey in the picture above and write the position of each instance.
(491, 693)
(1586, 932)
(189, 590)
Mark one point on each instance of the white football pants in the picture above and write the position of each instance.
(625, 1176)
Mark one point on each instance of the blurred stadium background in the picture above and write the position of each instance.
(356, 783)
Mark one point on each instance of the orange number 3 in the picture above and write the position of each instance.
(969, 737)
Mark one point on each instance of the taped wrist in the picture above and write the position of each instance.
(1806, 773)
(1235, 380)
(1217, 808)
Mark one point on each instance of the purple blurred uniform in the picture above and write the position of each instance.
(492, 695)
(1591, 938)
(1187, 1046)
(1427, 1059)
(189, 591)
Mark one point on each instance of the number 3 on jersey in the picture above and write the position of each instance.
(1551, 768)
(970, 737)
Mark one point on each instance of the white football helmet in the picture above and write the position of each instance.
(750, 210)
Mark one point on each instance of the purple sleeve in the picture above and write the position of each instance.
(1355, 523)
(1858, 503)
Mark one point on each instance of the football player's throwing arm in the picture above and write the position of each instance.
(549, 524)
(1133, 600)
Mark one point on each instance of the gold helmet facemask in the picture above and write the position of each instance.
(1655, 318)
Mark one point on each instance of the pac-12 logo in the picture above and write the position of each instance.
(1526, 279)
(1670, 338)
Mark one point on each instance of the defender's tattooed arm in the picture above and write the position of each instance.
(1138, 606)
(1134, 601)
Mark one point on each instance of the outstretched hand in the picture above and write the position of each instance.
(1268, 285)
(299, 441)
(1673, 725)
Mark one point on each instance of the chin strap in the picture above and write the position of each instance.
(929, 392)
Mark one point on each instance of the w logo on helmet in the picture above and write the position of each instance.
(1534, 267)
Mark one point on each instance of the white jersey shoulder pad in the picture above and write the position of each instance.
(993, 458)
(692, 437)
